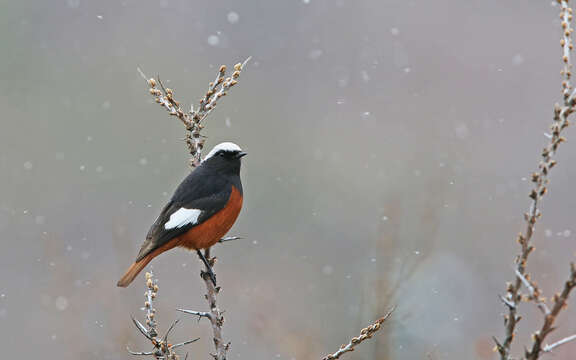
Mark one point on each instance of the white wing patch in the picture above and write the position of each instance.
(182, 217)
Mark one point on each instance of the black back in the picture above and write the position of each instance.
(207, 188)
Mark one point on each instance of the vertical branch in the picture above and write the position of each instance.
(215, 315)
(567, 46)
(193, 122)
(216, 318)
(540, 183)
(151, 291)
(162, 350)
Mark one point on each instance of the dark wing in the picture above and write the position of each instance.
(199, 199)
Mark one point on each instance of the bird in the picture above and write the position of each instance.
(203, 208)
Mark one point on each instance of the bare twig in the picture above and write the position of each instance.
(548, 348)
(170, 329)
(560, 302)
(142, 329)
(193, 118)
(146, 353)
(200, 314)
(175, 346)
(365, 334)
(229, 238)
(162, 348)
(540, 186)
(534, 293)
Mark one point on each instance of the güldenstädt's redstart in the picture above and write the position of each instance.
(201, 211)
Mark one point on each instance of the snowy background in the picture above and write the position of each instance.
(389, 144)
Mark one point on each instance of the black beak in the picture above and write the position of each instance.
(241, 154)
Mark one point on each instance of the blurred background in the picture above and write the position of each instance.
(389, 144)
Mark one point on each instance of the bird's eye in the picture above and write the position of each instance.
(221, 153)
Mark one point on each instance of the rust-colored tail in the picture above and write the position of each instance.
(133, 271)
(135, 268)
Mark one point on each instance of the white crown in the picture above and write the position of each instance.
(226, 146)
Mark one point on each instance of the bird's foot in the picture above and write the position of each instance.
(210, 274)
(208, 271)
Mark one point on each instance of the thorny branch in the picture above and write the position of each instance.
(215, 315)
(548, 348)
(540, 183)
(365, 334)
(193, 118)
(560, 302)
(162, 348)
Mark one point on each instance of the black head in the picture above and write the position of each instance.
(224, 158)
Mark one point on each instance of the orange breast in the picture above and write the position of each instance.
(210, 231)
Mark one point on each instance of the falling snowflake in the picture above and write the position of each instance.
(73, 4)
(518, 59)
(233, 17)
(315, 54)
(61, 303)
(365, 76)
(213, 40)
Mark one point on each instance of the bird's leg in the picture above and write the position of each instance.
(208, 267)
